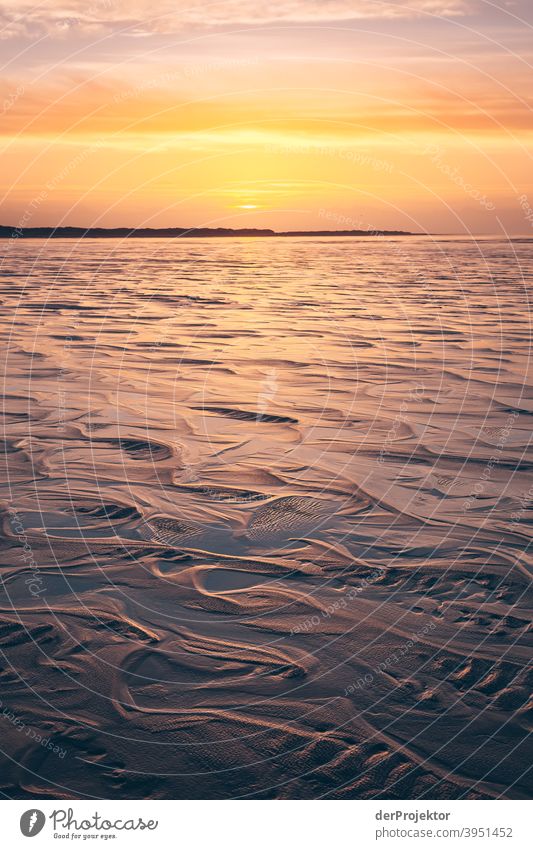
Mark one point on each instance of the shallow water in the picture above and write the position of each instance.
(267, 507)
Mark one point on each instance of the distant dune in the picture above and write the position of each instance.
(8, 232)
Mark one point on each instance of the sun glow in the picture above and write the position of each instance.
(338, 121)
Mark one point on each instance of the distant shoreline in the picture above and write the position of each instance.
(7, 232)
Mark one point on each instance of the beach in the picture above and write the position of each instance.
(266, 518)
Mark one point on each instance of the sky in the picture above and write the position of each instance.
(298, 114)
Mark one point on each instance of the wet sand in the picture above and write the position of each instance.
(266, 519)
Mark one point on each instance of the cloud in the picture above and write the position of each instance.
(139, 17)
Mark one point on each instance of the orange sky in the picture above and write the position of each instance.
(340, 114)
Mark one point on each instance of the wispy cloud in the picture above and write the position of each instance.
(56, 17)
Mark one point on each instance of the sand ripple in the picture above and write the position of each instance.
(266, 519)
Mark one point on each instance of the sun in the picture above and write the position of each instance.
(248, 206)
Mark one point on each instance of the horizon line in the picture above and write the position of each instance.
(68, 231)
(11, 231)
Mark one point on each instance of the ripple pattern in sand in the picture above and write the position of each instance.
(266, 519)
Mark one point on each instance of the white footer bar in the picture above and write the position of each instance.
(268, 824)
